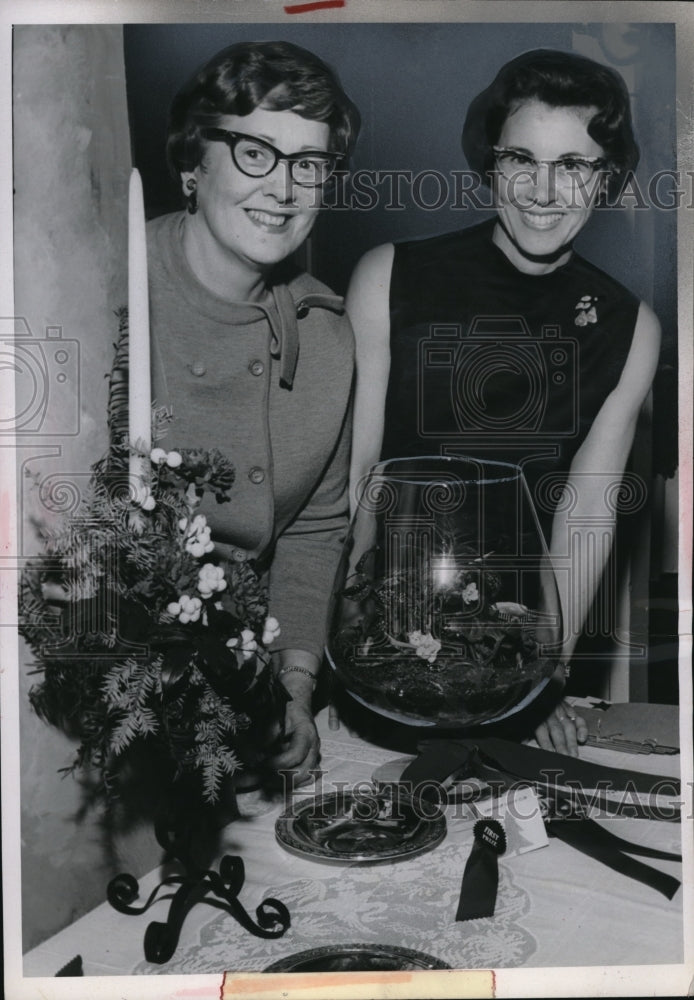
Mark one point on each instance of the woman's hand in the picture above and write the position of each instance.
(299, 750)
(562, 730)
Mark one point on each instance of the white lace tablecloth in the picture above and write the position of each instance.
(555, 906)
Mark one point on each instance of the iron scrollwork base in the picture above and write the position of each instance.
(195, 885)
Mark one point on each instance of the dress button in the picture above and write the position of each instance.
(302, 311)
(198, 369)
(238, 555)
(256, 475)
(256, 368)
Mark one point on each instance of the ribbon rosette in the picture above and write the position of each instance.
(481, 875)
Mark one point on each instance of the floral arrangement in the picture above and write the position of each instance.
(142, 635)
(439, 645)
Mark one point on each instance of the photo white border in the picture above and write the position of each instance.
(598, 981)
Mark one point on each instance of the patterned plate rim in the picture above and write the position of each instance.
(421, 959)
(284, 824)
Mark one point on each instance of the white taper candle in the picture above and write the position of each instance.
(140, 403)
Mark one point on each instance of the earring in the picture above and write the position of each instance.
(192, 199)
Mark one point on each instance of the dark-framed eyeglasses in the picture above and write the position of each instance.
(255, 157)
(523, 168)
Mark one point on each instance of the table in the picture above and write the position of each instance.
(555, 906)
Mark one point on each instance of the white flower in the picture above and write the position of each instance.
(425, 644)
(271, 630)
(211, 580)
(471, 593)
(183, 523)
(174, 459)
(199, 541)
(246, 643)
(249, 644)
(209, 570)
(189, 608)
(157, 456)
(190, 602)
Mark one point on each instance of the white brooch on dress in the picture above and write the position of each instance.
(586, 310)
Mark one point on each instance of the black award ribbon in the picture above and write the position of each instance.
(571, 786)
(594, 840)
(481, 875)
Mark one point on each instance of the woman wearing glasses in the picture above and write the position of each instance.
(253, 356)
(551, 136)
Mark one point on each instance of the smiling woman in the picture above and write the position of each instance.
(246, 222)
(500, 342)
(546, 161)
(250, 355)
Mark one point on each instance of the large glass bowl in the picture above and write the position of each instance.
(445, 610)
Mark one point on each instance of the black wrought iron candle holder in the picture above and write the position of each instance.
(196, 884)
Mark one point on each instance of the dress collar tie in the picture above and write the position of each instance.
(283, 314)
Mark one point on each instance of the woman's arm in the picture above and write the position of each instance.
(583, 534)
(368, 308)
(595, 473)
(300, 752)
(300, 585)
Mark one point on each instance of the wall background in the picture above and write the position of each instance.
(72, 159)
(71, 169)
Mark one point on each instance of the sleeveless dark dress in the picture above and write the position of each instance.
(490, 362)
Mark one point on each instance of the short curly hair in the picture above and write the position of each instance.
(558, 79)
(278, 76)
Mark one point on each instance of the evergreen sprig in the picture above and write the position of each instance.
(122, 663)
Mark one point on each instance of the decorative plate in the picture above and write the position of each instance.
(357, 958)
(373, 825)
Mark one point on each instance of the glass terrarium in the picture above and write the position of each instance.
(445, 611)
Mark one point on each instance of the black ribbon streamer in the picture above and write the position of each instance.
(72, 968)
(528, 762)
(594, 840)
(502, 763)
(481, 875)
(220, 889)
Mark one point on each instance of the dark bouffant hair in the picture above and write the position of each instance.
(275, 75)
(558, 79)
